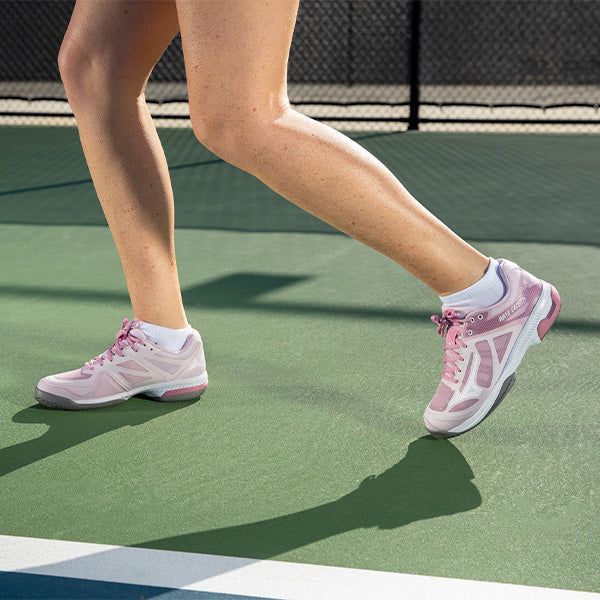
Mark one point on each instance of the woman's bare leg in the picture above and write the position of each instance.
(108, 53)
(236, 55)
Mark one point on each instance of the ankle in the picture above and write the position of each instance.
(483, 293)
(166, 337)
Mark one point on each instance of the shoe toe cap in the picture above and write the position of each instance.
(61, 382)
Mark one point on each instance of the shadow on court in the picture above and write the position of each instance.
(432, 480)
(243, 290)
(70, 428)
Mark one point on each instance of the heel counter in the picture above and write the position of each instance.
(547, 322)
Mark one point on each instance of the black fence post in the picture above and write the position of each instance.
(415, 35)
(350, 42)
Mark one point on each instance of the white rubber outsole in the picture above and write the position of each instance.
(183, 389)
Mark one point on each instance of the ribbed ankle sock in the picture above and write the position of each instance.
(483, 293)
(168, 339)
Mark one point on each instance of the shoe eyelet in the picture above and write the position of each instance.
(472, 320)
(470, 332)
(480, 317)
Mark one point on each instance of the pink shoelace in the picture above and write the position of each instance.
(451, 327)
(124, 339)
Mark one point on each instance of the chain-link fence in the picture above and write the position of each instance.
(398, 64)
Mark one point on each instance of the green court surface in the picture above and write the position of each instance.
(308, 445)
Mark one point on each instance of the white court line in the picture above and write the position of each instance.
(243, 576)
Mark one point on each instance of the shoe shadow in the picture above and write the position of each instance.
(70, 428)
(432, 480)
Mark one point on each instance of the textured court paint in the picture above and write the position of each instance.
(226, 575)
(317, 385)
(321, 358)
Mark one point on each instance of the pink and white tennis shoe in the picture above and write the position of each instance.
(484, 348)
(132, 366)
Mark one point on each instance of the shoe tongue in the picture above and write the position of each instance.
(461, 312)
(136, 332)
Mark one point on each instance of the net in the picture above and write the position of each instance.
(395, 64)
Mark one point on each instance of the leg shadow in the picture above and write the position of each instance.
(432, 480)
(70, 428)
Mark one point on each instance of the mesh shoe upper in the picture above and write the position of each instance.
(131, 363)
(477, 348)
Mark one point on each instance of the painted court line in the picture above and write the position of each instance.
(247, 577)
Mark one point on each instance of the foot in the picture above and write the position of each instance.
(132, 366)
(484, 348)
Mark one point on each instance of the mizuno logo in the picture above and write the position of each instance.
(512, 309)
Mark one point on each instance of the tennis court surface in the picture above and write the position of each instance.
(305, 470)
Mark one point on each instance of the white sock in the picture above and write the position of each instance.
(485, 292)
(169, 339)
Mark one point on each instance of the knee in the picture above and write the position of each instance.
(74, 63)
(238, 133)
(225, 132)
(92, 75)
